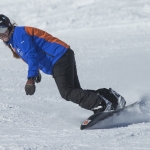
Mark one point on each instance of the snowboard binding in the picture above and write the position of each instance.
(111, 101)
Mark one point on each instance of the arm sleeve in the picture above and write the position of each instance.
(29, 49)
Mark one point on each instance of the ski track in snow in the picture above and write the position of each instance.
(112, 48)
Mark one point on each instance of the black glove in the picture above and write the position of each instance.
(30, 86)
(38, 78)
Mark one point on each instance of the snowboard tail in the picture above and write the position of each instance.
(95, 118)
(92, 120)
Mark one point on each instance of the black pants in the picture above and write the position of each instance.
(66, 78)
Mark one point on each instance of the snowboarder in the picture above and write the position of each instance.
(41, 51)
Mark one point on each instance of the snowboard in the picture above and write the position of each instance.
(95, 118)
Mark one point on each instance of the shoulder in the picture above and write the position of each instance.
(33, 31)
(19, 29)
(19, 32)
(20, 35)
(29, 30)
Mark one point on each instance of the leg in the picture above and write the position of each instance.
(65, 75)
(76, 80)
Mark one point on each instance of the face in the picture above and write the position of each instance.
(4, 36)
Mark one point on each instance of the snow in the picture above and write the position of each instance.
(111, 41)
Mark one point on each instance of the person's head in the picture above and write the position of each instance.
(5, 28)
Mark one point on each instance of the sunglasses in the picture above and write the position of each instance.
(3, 29)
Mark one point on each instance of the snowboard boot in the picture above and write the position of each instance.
(120, 100)
(113, 100)
(101, 107)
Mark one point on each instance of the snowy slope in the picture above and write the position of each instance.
(111, 40)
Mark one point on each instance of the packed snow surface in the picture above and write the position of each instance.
(111, 41)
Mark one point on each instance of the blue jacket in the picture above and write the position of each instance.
(37, 48)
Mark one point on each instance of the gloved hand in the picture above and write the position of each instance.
(30, 86)
(38, 78)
